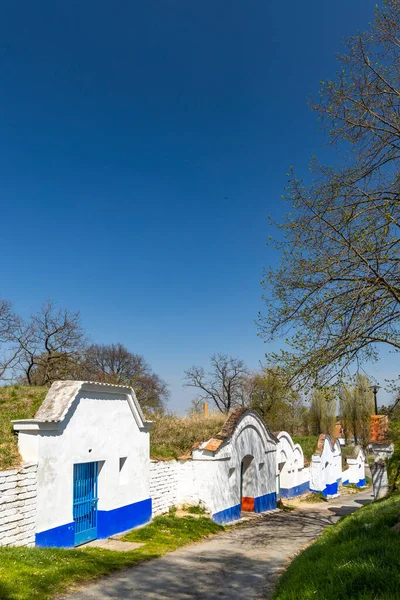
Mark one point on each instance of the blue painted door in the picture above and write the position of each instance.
(85, 502)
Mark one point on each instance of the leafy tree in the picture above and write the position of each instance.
(226, 384)
(356, 408)
(322, 411)
(276, 401)
(113, 363)
(336, 292)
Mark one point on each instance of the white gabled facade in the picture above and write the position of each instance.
(326, 467)
(294, 477)
(101, 427)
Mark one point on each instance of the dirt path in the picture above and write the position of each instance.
(242, 564)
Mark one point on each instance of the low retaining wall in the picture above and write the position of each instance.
(18, 490)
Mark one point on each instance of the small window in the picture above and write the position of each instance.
(123, 472)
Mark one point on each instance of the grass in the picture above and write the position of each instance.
(16, 402)
(284, 507)
(194, 509)
(173, 436)
(308, 443)
(314, 498)
(42, 573)
(356, 558)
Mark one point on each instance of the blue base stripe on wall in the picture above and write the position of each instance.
(362, 482)
(331, 489)
(58, 537)
(297, 490)
(266, 502)
(110, 522)
(227, 515)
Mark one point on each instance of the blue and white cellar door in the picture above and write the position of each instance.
(85, 502)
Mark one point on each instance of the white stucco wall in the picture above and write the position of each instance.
(326, 467)
(218, 474)
(163, 485)
(355, 471)
(99, 427)
(213, 479)
(290, 457)
(18, 489)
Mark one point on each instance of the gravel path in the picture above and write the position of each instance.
(242, 564)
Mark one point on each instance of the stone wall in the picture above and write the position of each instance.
(163, 485)
(173, 483)
(18, 489)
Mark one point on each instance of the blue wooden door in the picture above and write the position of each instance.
(85, 502)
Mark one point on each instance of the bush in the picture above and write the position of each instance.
(393, 471)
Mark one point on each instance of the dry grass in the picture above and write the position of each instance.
(16, 402)
(172, 436)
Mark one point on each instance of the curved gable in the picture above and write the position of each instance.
(240, 421)
(60, 399)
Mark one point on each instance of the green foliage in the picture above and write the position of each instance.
(16, 402)
(393, 471)
(44, 573)
(356, 408)
(275, 400)
(356, 558)
(308, 443)
(322, 411)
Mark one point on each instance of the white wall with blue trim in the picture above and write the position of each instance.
(85, 422)
(218, 473)
(326, 467)
(294, 477)
(355, 472)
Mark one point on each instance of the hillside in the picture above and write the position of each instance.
(172, 436)
(356, 558)
(16, 402)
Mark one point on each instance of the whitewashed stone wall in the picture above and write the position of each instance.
(163, 485)
(18, 490)
(173, 483)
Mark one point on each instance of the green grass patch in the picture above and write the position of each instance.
(16, 402)
(356, 558)
(42, 573)
(314, 497)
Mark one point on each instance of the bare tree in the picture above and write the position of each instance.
(51, 344)
(225, 384)
(9, 347)
(336, 294)
(113, 363)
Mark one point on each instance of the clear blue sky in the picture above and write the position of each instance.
(142, 147)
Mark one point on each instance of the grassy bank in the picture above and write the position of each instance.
(16, 402)
(42, 573)
(356, 558)
(173, 436)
